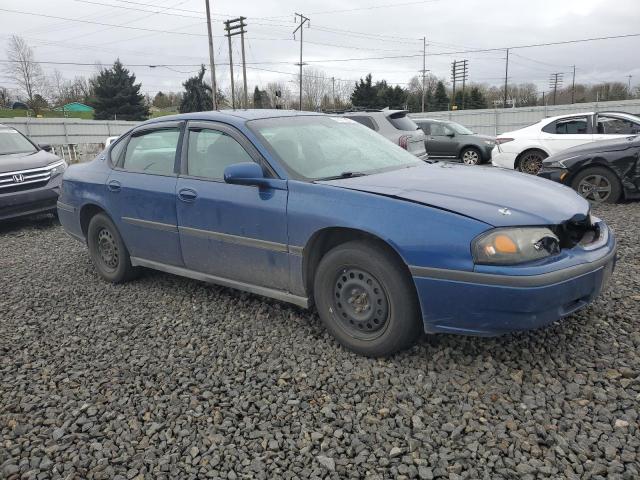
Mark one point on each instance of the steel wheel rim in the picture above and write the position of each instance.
(360, 303)
(531, 164)
(596, 188)
(108, 251)
(470, 157)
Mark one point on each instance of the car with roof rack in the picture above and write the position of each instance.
(30, 175)
(394, 125)
(525, 149)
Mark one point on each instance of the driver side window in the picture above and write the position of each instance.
(438, 129)
(152, 152)
(211, 151)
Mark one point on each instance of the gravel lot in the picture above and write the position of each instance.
(171, 378)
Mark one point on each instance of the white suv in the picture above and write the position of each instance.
(525, 149)
(394, 125)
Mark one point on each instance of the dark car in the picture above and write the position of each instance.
(602, 172)
(451, 140)
(318, 210)
(30, 176)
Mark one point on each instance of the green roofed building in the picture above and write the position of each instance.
(74, 107)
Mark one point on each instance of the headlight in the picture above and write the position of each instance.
(58, 167)
(508, 246)
(559, 163)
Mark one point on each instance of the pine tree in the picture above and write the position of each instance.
(116, 95)
(197, 94)
(477, 99)
(364, 95)
(440, 100)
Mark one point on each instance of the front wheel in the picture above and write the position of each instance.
(531, 161)
(107, 250)
(366, 300)
(471, 156)
(597, 185)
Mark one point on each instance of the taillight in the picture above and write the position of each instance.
(403, 141)
(501, 140)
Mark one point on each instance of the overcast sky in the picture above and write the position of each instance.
(338, 30)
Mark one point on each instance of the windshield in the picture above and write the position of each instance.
(12, 141)
(323, 147)
(459, 129)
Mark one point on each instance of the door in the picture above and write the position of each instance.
(441, 141)
(609, 127)
(237, 232)
(566, 133)
(141, 193)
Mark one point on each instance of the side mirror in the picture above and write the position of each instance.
(44, 146)
(451, 134)
(246, 173)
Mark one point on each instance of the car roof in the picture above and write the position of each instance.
(568, 115)
(232, 116)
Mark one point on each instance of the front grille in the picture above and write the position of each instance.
(21, 180)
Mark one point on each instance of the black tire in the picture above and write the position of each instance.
(374, 277)
(471, 156)
(530, 161)
(107, 250)
(598, 185)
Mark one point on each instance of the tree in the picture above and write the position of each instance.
(364, 93)
(22, 68)
(392, 97)
(5, 98)
(116, 95)
(440, 98)
(316, 89)
(476, 98)
(261, 98)
(197, 94)
(161, 101)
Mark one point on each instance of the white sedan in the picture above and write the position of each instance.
(525, 149)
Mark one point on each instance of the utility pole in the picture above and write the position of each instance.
(573, 86)
(629, 87)
(303, 20)
(555, 81)
(233, 27)
(459, 72)
(424, 68)
(333, 92)
(212, 64)
(506, 80)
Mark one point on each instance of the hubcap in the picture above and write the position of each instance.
(596, 188)
(470, 157)
(108, 249)
(531, 163)
(360, 303)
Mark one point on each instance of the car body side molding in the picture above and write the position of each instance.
(167, 227)
(523, 281)
(225, 282)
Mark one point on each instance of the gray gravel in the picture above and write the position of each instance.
(171, 378)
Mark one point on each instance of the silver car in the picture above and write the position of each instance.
(395, 125)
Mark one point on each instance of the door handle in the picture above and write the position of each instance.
(114, 186)
(187, 195)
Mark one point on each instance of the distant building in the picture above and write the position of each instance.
(74, 107)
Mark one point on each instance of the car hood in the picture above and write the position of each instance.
(482, 193)
(596, 147)
(26, 161)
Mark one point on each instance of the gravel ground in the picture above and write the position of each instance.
(171, 378)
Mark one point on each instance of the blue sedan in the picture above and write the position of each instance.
(318, 210)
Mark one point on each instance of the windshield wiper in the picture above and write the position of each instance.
(343, 175)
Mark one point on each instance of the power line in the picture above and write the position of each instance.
(373, 7)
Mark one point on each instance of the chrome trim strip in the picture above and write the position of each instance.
(65, 207)
(165, 227)
(51, 166)
(295, 250)
(238, 240)
(225, 282)
(518, 281)
(26, 182)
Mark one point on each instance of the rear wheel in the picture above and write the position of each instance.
(531, 161)
(597, 185)
(366, 300)
(471, 156)
(107, 250)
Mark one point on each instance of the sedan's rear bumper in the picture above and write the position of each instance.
(503, 159)
(498, 304)
(29, 202)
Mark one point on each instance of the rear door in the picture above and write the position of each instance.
(566, 133)
(141, 192)
(236, 232)
(610, 126)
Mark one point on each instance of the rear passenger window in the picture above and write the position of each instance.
(366, 121)
(152, 152)
(211, 151)
(568, 126)
(426, 127)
